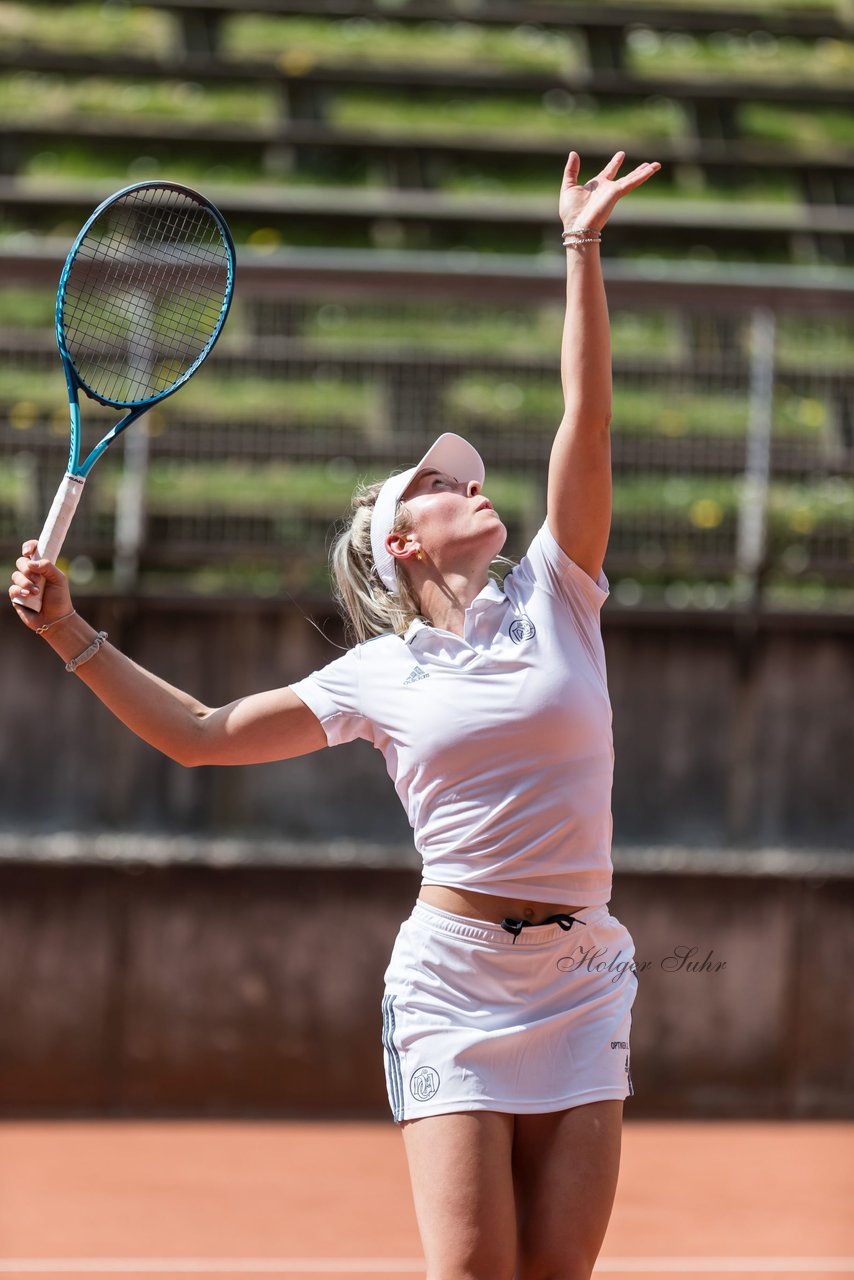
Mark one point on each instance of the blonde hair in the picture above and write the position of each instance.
(370, 610)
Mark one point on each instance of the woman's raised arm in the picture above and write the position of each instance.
(579, 489)
(254, 730)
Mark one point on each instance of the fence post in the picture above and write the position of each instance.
(130, 510)
(742, 789)
(130, 496)
(753, 508)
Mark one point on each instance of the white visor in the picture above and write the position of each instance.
(451, 454)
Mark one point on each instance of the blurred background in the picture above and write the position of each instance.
(390, 170)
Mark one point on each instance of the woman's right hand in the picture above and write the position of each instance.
(27, 580)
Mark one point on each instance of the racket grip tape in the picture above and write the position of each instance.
(55, 528)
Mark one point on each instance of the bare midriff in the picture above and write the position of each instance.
(487, 906)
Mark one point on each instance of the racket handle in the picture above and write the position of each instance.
(55, 528)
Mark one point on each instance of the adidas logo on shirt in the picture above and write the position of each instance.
(417, 673)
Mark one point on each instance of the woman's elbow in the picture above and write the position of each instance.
(186, 759)
(186, 763)
(193, 748)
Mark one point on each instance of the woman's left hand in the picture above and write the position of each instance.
(591, 205)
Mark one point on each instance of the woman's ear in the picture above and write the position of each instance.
(402, 546)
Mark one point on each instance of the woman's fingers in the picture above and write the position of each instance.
(610, 171)
(27, 580)
(612, 168)
(19, 593)
(27, 576)
(30, 573)
(639, 175)
(24, 585)
(570, 173)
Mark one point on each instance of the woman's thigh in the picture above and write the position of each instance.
(460, 1166)
(565, 1167)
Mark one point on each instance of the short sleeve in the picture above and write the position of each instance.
(551, 568)
(332, 693)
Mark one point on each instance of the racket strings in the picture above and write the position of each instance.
(144, 295)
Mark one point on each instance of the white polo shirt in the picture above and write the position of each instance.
(498, 742)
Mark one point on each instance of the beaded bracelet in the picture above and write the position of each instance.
(573, 236)
(87, 653)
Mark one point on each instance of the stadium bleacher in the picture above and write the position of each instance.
(380, 158)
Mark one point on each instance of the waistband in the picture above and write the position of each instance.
(485, 931)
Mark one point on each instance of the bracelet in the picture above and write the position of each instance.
(573, 236)
(87, 653)
(47, 625)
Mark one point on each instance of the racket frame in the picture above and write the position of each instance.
(73, 380)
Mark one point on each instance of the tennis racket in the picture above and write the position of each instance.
(142, 299)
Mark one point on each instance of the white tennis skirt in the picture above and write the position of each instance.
(475, 1019)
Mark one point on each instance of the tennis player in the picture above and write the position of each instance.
(507, 1009)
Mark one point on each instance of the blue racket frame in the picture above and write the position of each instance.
(73, 380)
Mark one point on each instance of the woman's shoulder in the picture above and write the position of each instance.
(545, 564)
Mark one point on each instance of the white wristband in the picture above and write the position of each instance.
(87, 653)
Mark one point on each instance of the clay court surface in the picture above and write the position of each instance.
(330, 1199)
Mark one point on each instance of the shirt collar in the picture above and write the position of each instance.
(492, 594)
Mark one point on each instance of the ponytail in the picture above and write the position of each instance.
(369, 609)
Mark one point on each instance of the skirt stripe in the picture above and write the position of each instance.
(394, 1073)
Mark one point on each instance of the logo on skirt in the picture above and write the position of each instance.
(424, 1084)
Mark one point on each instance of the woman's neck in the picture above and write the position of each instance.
(444, 601)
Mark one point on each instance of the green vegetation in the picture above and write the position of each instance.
(693, 188)
(451, 327)
(503, 403)
(473, 401)
(750, 56)
(277, 489)
(462, 330)
(303, 41)
(444, 328)
(27, 308)
(666, 502)
(300, 42)
(130, 162)
(276, 401)
(87, 28)
(648, 508)
(41, 388)
(752, 6)
(770, 7)
(507, 402)
(35, 393)
(812, 506)
(815, 344)
(33, 95)
(557, 113)
(798, 127)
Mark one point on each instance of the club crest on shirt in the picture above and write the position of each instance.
(424, 1083)
(522, 629)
